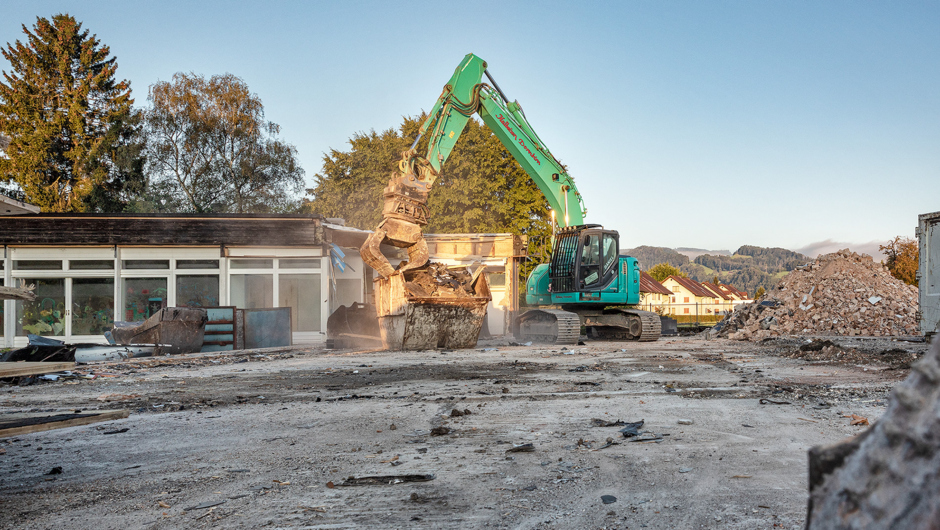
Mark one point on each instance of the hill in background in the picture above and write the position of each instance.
(748, 268)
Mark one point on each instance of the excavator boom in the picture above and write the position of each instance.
(587, 275)
(464, 95)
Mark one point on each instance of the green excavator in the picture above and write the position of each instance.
(587, 283)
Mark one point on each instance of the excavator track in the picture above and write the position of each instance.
(550, 325)
(624, 324)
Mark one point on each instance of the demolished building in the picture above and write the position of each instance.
(91, 270)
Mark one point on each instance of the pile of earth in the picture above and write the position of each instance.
(839, 294)
(827, 351)
(440, 280)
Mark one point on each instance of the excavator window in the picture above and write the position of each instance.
(590, 260)
(610, 253)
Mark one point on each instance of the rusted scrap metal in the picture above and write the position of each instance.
(174, 329)
(384, 480)
(354, 326)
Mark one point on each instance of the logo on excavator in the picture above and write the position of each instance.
(520, 140)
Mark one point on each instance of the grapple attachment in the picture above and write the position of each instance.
(403, 215)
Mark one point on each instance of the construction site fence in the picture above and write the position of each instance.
(691, 313)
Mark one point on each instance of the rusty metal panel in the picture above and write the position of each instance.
(173, 329)
(267, 328)
(220, 329)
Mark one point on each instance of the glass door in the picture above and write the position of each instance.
(92, 306)
(46, 315)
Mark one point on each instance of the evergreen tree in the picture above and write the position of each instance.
(64, 113)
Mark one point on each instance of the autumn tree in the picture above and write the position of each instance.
(661, 271)
(760, 292)
(210, 149)
(903, 258)
(64, 112)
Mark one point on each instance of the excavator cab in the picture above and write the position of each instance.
(585, 259)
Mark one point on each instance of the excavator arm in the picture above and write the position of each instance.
(406, 194)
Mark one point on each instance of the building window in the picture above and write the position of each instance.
(252, 291)
(675, 288)
(686, 300)
(304, 263)
(251, 264)
(46, 314)
(143, 297)
(91, 264)
(673, 299)
(685, 310)
(197, 264)
(197, 290)
(92, 305)
(37, 265)
(138, 264)
(497, 279)
(301, 293)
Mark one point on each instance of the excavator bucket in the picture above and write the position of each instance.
(353, 326)
(410, 318)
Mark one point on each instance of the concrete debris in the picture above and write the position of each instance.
(437, 279)
(840, 294)
(886, 476)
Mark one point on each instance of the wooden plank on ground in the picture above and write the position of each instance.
(16, 369)
(33, 424)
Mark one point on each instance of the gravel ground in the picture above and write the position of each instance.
(257, 438)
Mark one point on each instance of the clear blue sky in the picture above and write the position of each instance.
(701, 124)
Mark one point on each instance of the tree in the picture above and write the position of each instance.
(664, 270)
(760, 292)
(210, 149)
(63, 111)
(647, 255)
(903, 258)
(481, 187)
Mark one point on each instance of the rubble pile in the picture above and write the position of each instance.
(841, 294)
(826, 351)
(439, 280)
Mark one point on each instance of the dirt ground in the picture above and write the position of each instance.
(256, 439)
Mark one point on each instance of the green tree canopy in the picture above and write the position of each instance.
(481, 187)
(209, 148)
(647, 256)
(661, 271)
(64, 114)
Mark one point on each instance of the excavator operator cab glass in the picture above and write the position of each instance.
(590, 260)
(598, 264)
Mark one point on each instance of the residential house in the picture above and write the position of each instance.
(738, 296)
(688, 297)
(722, 302)
(653, 295)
